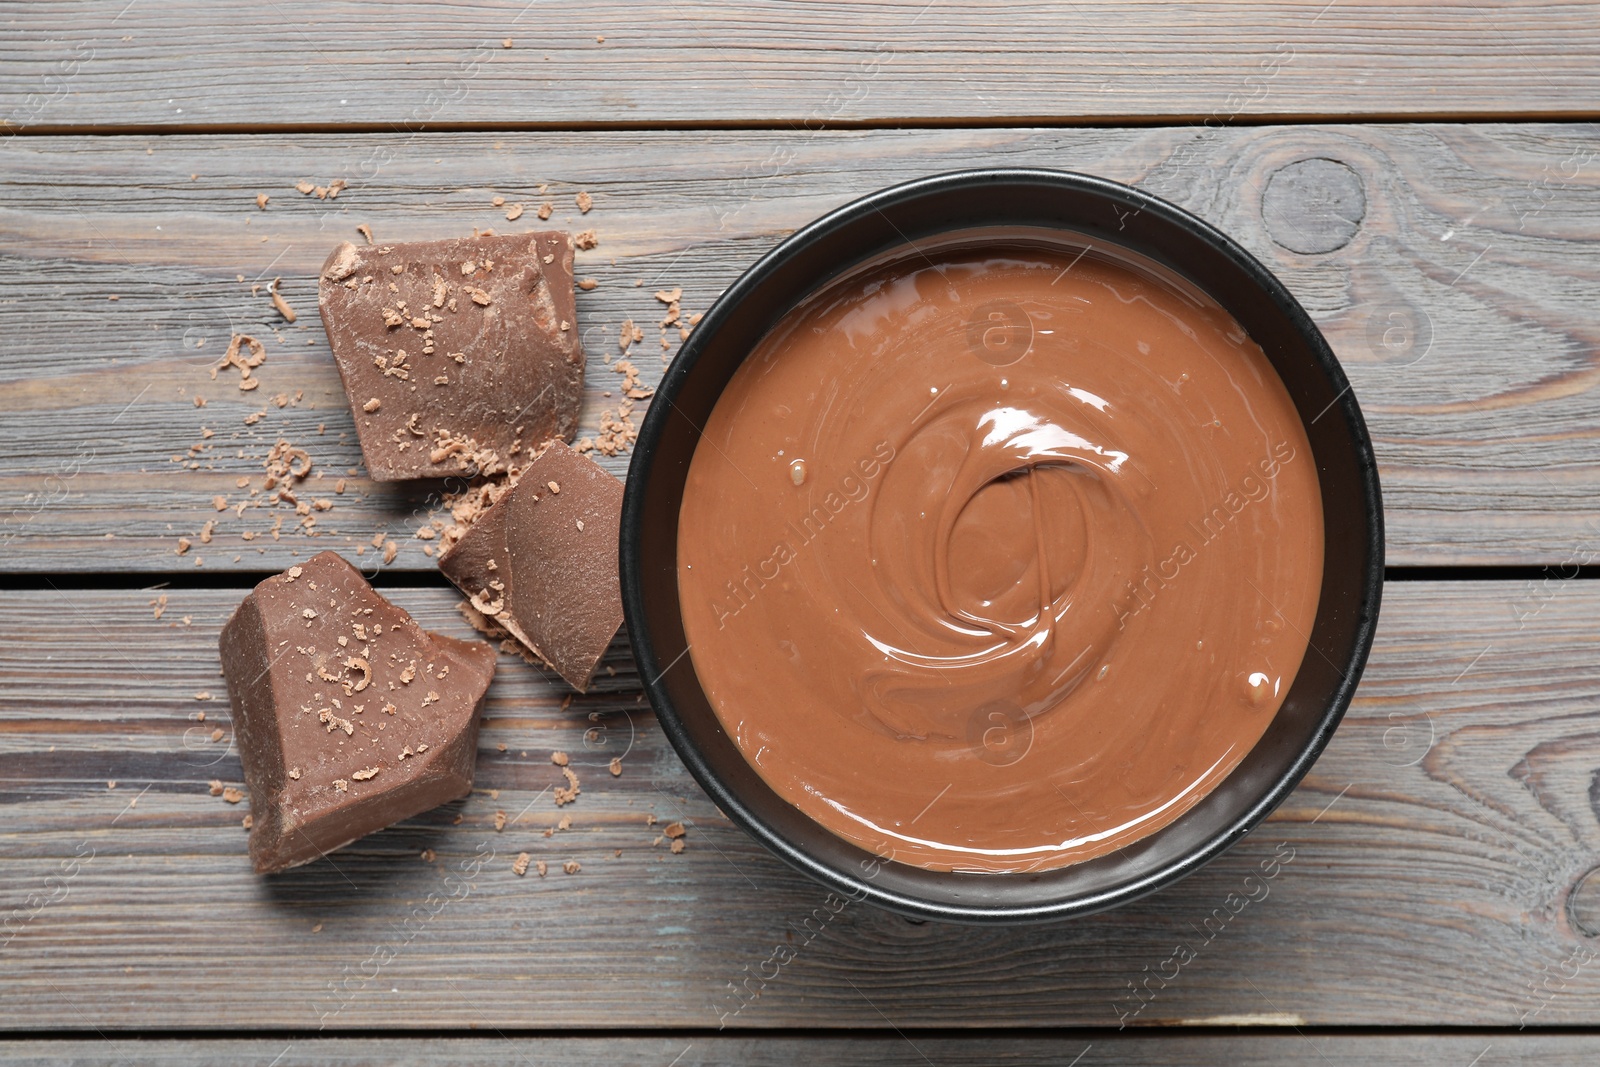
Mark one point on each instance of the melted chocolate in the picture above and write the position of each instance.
(1000, 554)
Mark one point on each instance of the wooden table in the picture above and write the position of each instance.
(1425, 178)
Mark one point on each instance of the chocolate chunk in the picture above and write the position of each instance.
(349, 716)
(458, 356)
(542, 562)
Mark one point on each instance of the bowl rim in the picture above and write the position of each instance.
(632, 534)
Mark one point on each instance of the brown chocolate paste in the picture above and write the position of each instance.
(1000, 552)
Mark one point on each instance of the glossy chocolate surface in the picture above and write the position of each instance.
(1000, 556)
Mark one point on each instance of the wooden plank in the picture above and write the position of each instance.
(1461, 304)
(325, 64)
(1436, 868)
(883, 1050)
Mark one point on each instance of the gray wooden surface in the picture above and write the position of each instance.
(914, 1049)
(1436, 864)
(1426, 179)
(1454, 268)
(335, 62)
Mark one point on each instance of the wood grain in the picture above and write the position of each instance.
(801, 64)
(1423, 873)
(1460, 301)
(882, 1050)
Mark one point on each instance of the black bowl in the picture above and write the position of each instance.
(1352, 578)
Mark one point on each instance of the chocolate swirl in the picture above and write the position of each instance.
(963, 622)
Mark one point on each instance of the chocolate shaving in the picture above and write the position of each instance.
(280, 303)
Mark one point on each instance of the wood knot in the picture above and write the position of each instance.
(1313, 206)
(1583, 904)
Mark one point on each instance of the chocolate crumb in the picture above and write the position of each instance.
(572, 866)
(541, 868)
(428, 855)
(628, 335)
(356, 663)
(514, 213)
(586, 240)
(216, 788)
(546, 210)
(261, 200)
(585, 201)
(280, 303)
(232, 795)
(674, 829)
(216, 735)
(616, 768)
(519, 866)
(677, 845)
(499, 820)
(248, 821)
(566, 795)
(372, 405)
(560, 759)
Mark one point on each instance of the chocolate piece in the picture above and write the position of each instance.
(457, 356)
(349, 716)
(542, 562)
